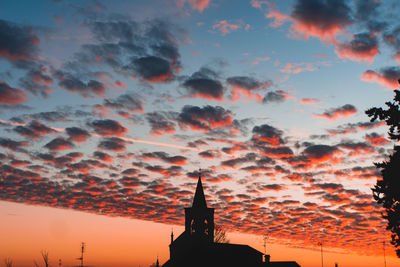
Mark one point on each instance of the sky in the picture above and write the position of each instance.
(109, 109)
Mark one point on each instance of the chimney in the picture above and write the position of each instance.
(267, 258)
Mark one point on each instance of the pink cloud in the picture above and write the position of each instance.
(298, 67)
(386, 76)
(258, 3)
(278, 18)
(224, 27)
(309, 101)
(257, 60)
(10, 95)
(335, 113)
(198, 5)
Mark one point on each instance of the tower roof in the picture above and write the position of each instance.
(199, 200)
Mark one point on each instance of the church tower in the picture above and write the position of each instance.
(199, 220)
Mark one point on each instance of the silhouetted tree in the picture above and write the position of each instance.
(45, 256)
(8, 262)
(220, 235)
(386, 192)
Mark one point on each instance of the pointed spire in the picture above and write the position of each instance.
(199, 200)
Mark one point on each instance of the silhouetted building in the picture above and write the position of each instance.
(196, 246)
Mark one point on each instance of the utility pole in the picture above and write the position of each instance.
(322, 254)
(384, 253)
(82, 250)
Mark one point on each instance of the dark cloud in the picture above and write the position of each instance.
(131, 171)
(275, 152)
(10, 95)
(244, 82)
(129, 182)
(17, 42)
(12, 145)
(151, 69)
(364, 46)
(37, 82)
(387, 76)
(113, 144)
(354, 127)
(376, 139)
(168, 172)
(125, 102)
(205, 118)
(160, 123)
(209, 154)
(276, 96)
(59, 144)
(14, 107)
(321, 18)
(62, 114)
(180, 160)
(267, 134)
(33, 130)
(148, 50)
(271, 187)
(320, 152)
(357, 148)
(108, 127)
(392, 38)
(334, 113)
(204, 84)
(102, 156)
(75, 85)
(247, 86)
(77, 134)
(115, 31)
(61, 161)
(240, 160)
(366, 9)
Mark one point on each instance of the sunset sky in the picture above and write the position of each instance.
(108, 109)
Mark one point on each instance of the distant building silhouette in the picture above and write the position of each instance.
(195, 247)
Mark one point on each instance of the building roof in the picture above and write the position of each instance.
(234, 248)
(283, 264)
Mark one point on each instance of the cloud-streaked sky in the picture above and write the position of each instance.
(111, 108)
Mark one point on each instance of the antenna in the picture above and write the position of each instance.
(265, 238)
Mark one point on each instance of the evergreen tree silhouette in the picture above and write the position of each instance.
(386, 191)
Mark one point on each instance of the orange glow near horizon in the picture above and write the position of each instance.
(116, 241)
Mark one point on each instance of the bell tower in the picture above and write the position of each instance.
(199, 220)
